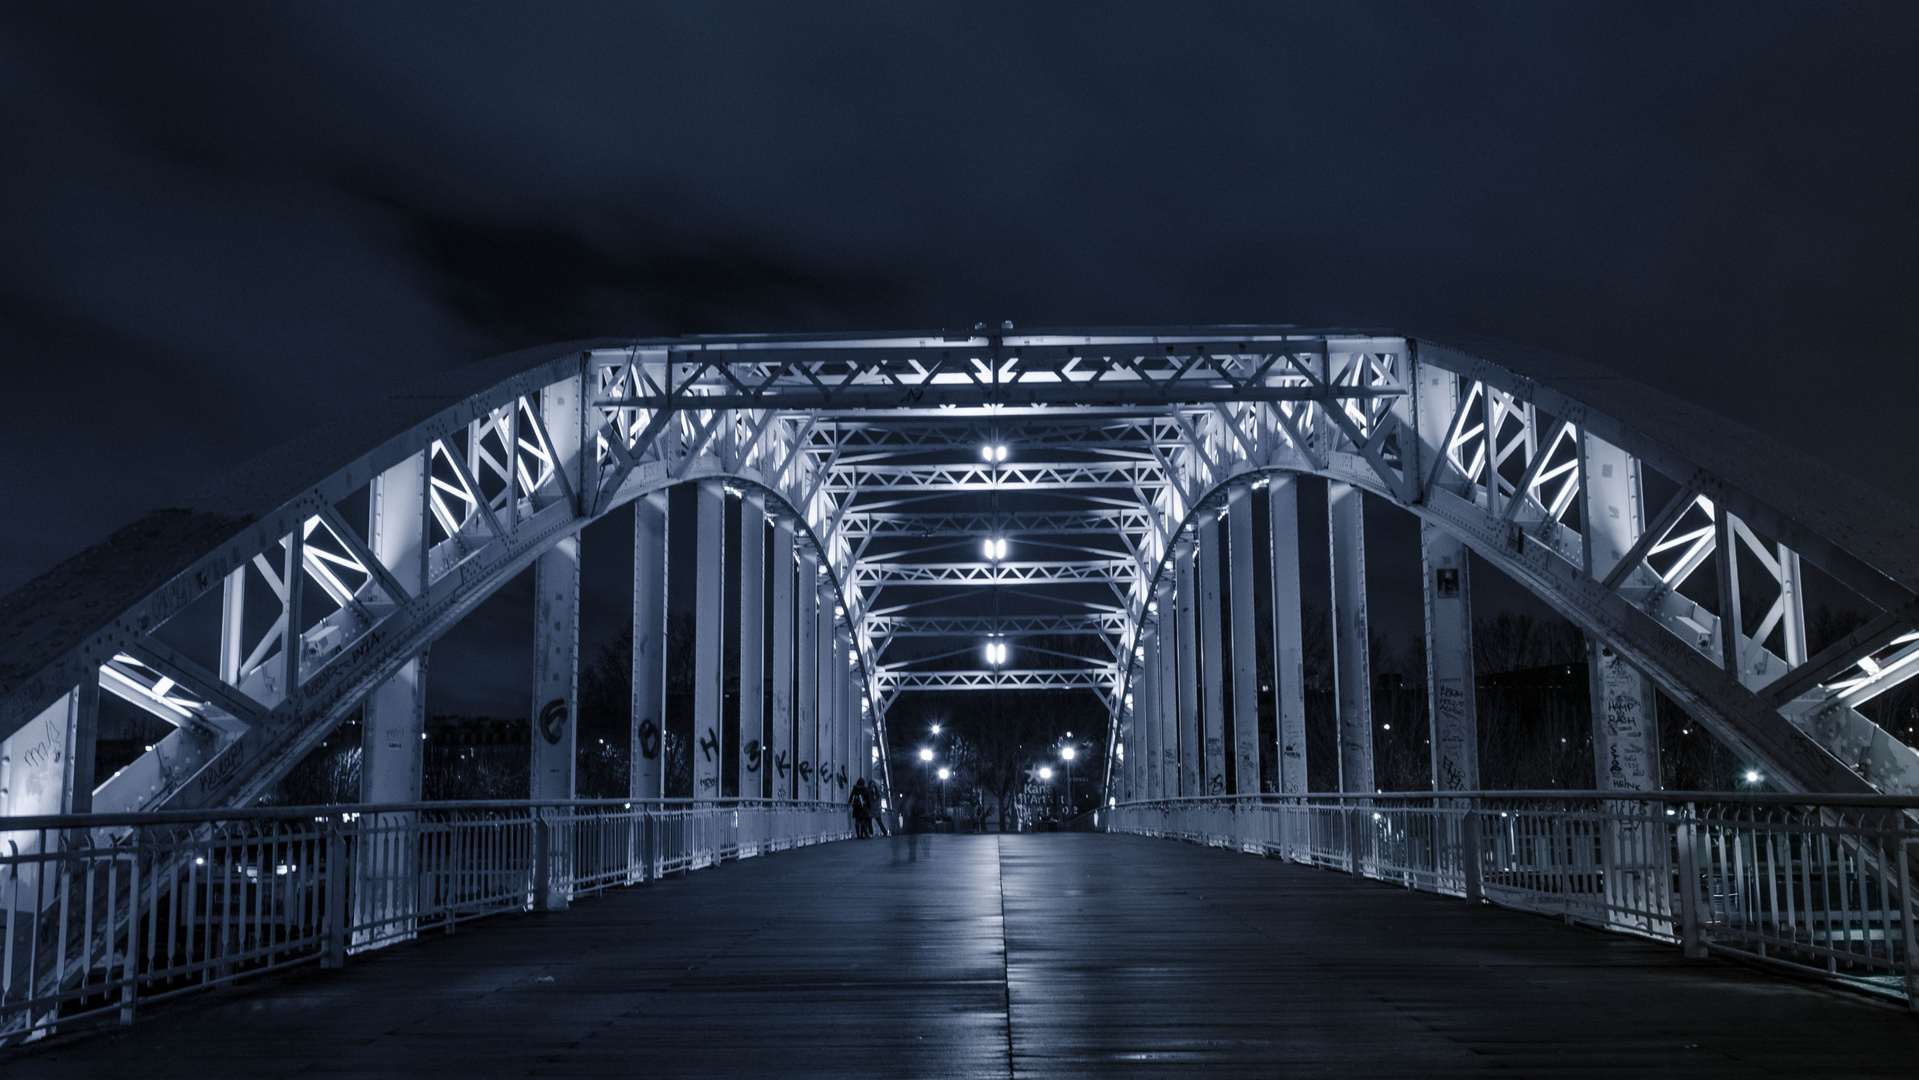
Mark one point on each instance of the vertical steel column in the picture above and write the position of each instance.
(393, 715)
(556, 644)
(827, 686)
(869, 737)
(647, 735)
(709, 629)
(752, 621)
(1212, 667)
(1239, 535)
(1289, 652)
(1450, 687)
(1185, 590)
(1625, 707)
(393, 721)
(1166, 734)
(806, 747)
(780, 738)
(1148, 715)
(846, 714)
(1352, 661)
(83, 727)
(1625, 716)
(556, 647)
(33, 775)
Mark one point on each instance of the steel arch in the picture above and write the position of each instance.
(1209, 406)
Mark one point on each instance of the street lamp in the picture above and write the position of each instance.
(1067, 754)
(945, 773)
(926, 753)
(1045, 772)
(995, 651)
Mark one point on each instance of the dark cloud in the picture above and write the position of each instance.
(528, 283)
(224, 221)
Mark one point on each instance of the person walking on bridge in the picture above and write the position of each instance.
(861, 802)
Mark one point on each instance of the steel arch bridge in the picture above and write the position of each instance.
(1113, 496)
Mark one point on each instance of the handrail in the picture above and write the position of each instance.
(1824, 884)
(102, 912)
(1751, 797)
(257, 813)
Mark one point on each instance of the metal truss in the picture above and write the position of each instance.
(873, 575)
(858, 525)
(1141, 475)
(894, 626)
(876, 443)
(969, 370)
(1102, 680)
(864, 439)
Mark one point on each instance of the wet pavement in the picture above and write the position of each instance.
(986, 956)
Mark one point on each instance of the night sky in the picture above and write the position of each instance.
(223, 223)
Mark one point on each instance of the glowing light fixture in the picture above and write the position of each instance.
(995, 547)
(1067, 753)
(993, 453)
(945, 773)
(1045, 772)
(926, 753)
(995, 652)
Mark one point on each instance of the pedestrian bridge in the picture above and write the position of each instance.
(822, 524)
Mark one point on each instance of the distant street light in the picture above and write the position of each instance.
(936, 729)
(945, 773)
(926, 753)
(1045, 772)
(1067, 753)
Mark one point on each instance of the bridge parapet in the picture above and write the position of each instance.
(105, 911)
(1823, 884)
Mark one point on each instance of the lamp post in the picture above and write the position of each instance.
(1067, 754)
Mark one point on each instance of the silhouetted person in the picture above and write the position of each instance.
(862, 803)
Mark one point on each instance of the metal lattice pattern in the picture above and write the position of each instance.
(872, 448)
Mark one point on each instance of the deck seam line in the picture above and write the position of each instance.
(1005, 946)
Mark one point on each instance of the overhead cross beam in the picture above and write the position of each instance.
(1091, 522)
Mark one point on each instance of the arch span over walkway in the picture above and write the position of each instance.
(1616, 504)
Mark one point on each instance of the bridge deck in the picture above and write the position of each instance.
(1059, 955)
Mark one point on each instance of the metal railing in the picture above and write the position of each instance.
(1824, 884)
(105, 912)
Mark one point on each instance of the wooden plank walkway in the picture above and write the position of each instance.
(1042, 956)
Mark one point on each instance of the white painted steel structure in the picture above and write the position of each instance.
(1061, 492)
